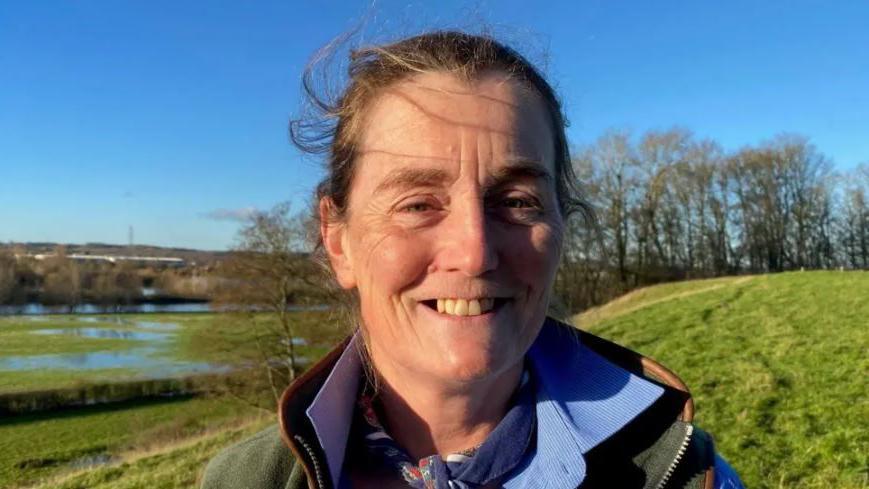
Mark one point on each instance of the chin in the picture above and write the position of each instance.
(469, 363)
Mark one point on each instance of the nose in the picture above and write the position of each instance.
(469, 247)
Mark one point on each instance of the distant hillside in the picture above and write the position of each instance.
(200, 257)
(777, 364)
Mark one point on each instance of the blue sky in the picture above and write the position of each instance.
(171, 116)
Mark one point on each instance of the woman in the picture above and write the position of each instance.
(443, 212)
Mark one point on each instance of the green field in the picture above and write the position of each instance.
(777, 365)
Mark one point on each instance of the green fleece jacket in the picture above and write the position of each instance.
(658, 449)
(264, 461)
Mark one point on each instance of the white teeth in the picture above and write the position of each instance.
(465, 307)
(461, 307)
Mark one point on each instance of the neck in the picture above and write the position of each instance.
(426, 417)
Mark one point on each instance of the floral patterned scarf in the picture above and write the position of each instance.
(472, 468)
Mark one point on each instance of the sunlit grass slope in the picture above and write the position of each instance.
(173, 466)
(42, 445)
(777, 365)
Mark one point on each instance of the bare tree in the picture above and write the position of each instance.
(268, 271)
(617, 164)
(854, 220)
(113, 285)
(62, 281)
(671, 206)
(7, 276)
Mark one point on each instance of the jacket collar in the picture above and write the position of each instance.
(585, 395)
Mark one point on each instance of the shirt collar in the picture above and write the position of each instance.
(331, 412)
(582, 399)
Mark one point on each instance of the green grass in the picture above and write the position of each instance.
(44, 445)
(177, 467)
(229, 338)
(43, 380)
(777, 365)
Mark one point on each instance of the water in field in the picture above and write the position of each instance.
(117, 334)
(146, 307)
(149, 353)
(34, 309)
(146, 361)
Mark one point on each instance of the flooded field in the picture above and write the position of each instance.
(142, 308)
(145, 361)
(145, 308)
(129, 380)
(108, 333)
(46, 352)
(144, 349)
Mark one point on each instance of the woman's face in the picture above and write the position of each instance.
(453, 233)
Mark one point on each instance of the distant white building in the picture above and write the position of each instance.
(144, 260)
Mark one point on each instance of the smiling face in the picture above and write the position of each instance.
(452, 234)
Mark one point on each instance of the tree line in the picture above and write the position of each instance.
(67, 284)
(60, 281)
(669, 206)
(666, 206)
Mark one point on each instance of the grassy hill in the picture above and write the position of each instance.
(777, 364)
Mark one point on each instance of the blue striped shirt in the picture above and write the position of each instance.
(575, 412)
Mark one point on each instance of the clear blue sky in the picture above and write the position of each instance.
(164, 115)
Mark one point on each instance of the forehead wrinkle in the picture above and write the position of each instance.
(468, 93)
(399, 94)
(403, 156)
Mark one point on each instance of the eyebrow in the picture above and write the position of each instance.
(404, 178)
(520, 170)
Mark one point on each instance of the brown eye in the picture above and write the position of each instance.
(516, 203)
(416, 207)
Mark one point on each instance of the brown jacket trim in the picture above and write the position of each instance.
(296, 428)
(710, 478)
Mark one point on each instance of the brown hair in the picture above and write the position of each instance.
(334, 128)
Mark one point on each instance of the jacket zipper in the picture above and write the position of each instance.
(313, 460)
(675, 462)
